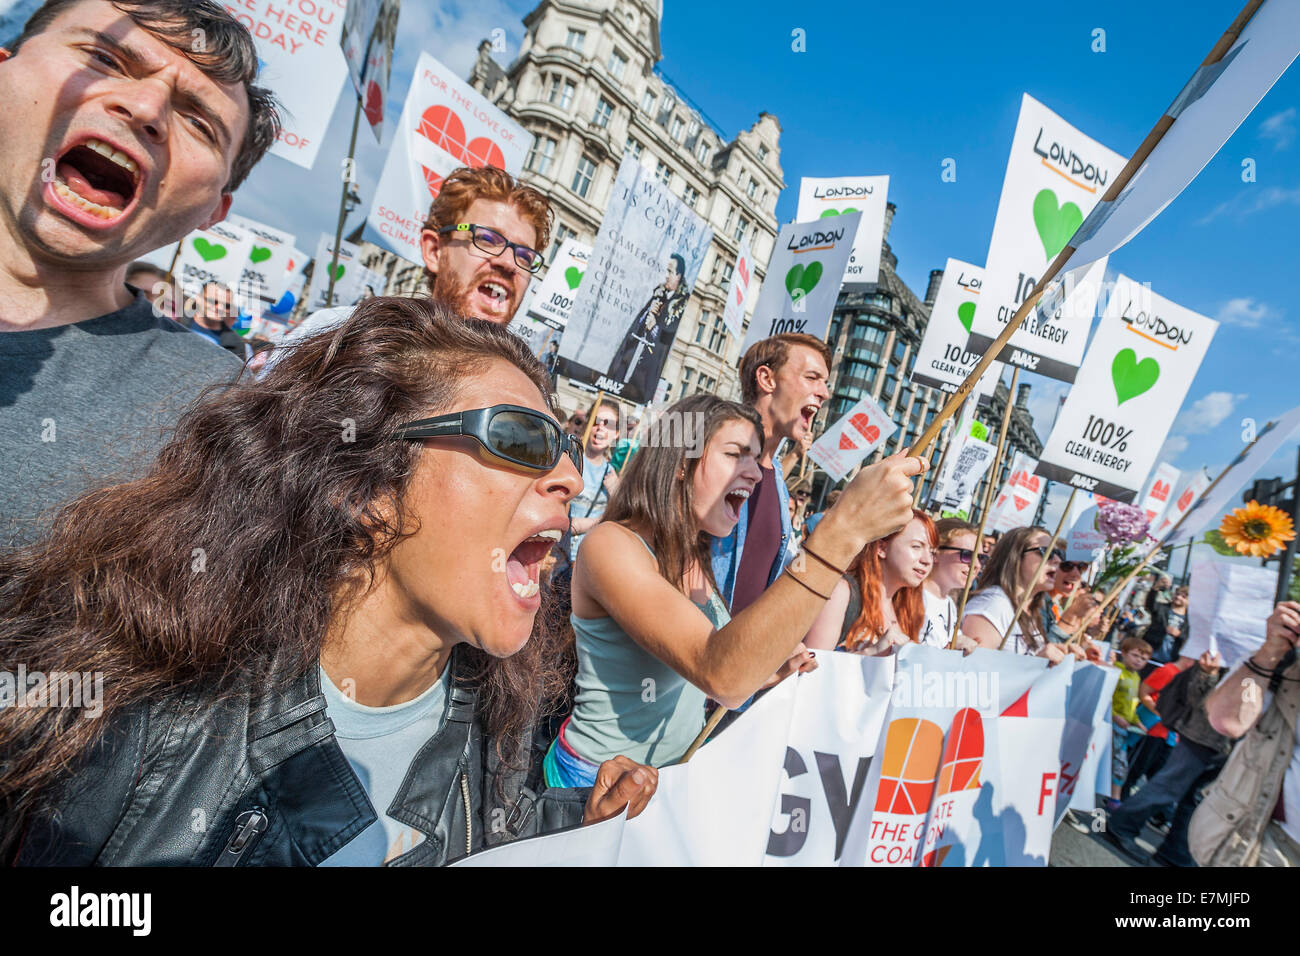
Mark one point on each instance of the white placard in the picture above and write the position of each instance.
(1017, 501)
(1054, 177)
(265, 276)
(968, 466)
(733, 314)
(347, 288)
(943, 360)
(1187, 495)
(445, 124)
(821, 199)
(863, 429)
(801, 287)
(1160, 492)
(1227, 606)
(640, 278)
(369, 32)
(1084, 540)
(213, 255)
(1208, 110)
(298, 44)
(1137, 372)
(555, 295)
(1207, 510)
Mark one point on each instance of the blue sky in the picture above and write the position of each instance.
(896, 89)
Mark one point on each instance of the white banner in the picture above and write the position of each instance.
(369, 32)
(1084, 540)
(943, 360)
(821, 199)
(733, 314)
(640, 278)
(266, 270)
(1194, 488)
(1085, 745)
(1208, 110)
(1139, 367)
(801, 287)
(445, 124)
(1017, 501)
(1227, 606)
(1207, 510)
(1160, 492)
(863, 429)
(298, 44)
(849, 764)
(214, 255)
(1054, 177)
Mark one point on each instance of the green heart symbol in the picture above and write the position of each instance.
(966, 315)
(1055, 224)
(827, 213)
(338, 271)
(801, 279)
(259, 254)
(573, 276)
(1132, 377)
(979, 430)
(209, 251)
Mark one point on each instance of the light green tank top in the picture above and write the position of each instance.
(630, 702)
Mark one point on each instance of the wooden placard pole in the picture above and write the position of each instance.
(710, 725)
(988, 500)
(1038, 575)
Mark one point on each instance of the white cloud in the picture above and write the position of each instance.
(1206, 413)
(1044, 400)
(1174, 446)
(1247, 313)
(1251, 199)
(1280, 128)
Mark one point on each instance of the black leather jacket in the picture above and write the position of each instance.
(257, 779)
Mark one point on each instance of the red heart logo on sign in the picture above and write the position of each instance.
(1151, 516)
(374, 103)
(443, 127)
(846, 441)
(1021, 503)
(1185, 500)
(1160, 491)
(742, 266)
(1001, 501)
(862, 423)
(740, 295)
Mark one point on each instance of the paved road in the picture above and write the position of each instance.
(1072, 848)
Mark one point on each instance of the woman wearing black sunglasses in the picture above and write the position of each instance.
(1002, 584)
(311, 620)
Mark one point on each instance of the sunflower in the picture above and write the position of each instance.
(1257, 530)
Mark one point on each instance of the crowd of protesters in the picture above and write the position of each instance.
(282, 538)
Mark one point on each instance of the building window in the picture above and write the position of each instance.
(634, 148)
(562, 232)
(663, 173)
(617, 64)
(583, 175)
(731, 217)
(762, 152)
(575, 40)
(690, 195)
(678, 126)
(687, 373)
(727, 269)
(741, 226)
(560, 92)
(702, 153)
(753, 187)
(648, 102)
(702, 328)
(541, 155)
(706, 384)
(718, 335)
(604, 110)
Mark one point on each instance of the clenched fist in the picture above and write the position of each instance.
(620, 783)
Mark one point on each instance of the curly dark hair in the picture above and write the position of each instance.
(293, 490)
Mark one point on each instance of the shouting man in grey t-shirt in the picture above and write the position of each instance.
(119, 136)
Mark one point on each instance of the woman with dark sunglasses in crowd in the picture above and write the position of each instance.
(1006, 577)
(1069, 574)
(307, 654)
(955, 560)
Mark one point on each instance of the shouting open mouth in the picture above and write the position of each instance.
(95, 183)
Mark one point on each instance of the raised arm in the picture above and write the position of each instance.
(732, 662)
